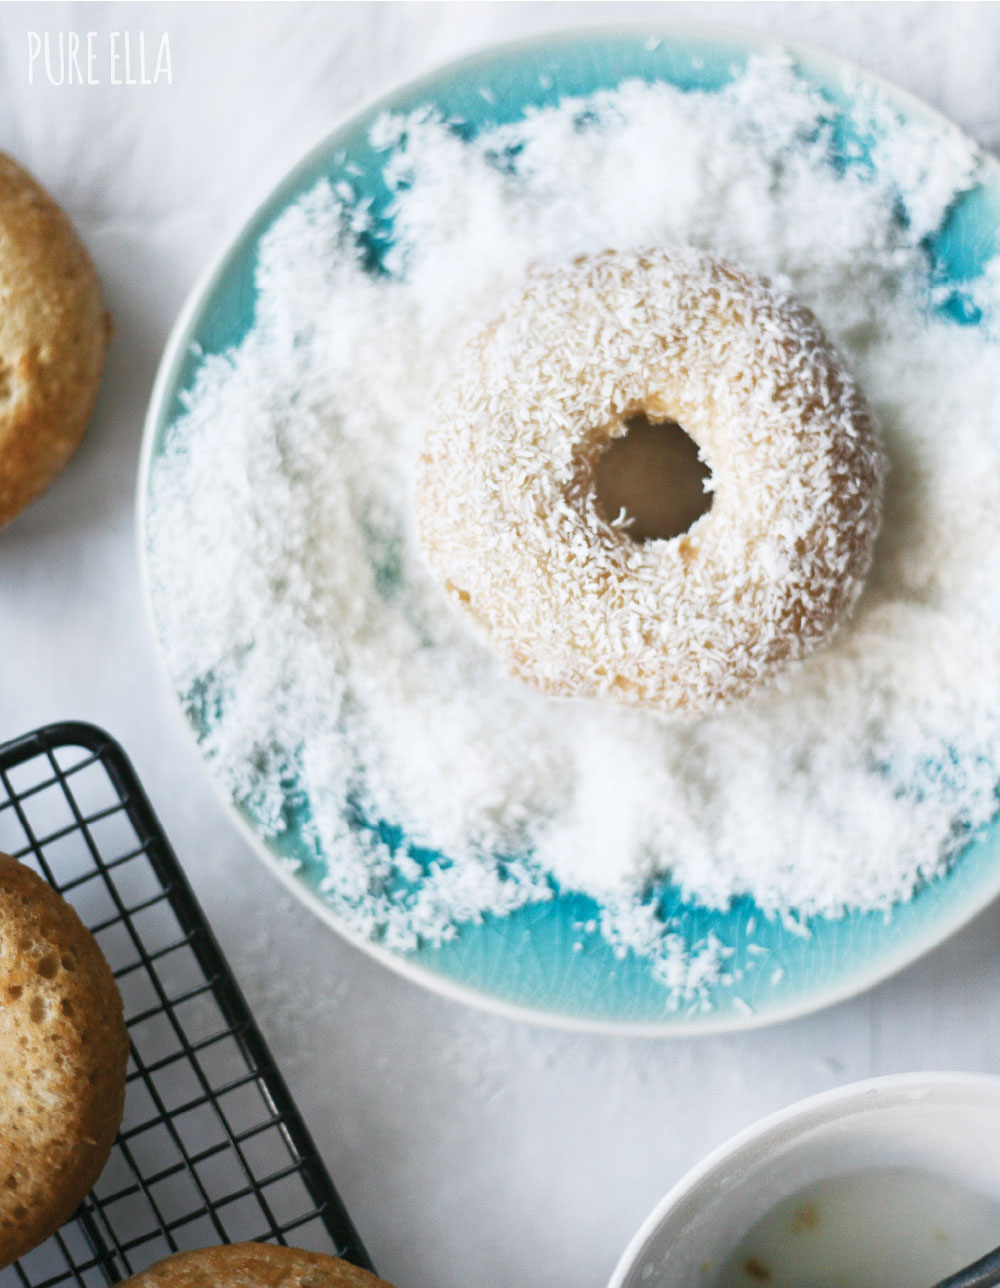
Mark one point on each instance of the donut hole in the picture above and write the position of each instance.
(654, 474)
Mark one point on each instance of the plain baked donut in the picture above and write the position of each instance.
(253, 1265)
(63, 1054)
(53, 337)
(506, 509)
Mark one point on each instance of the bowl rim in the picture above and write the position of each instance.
(826, 1105)
(827, 67)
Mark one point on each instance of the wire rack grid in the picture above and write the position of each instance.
(211, 1149)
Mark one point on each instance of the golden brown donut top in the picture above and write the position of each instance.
(63, 1053)
(253, 1265)
(53, 337)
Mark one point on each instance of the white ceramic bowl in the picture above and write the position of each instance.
(943, 1123)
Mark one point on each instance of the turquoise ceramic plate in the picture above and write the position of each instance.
(535, 963)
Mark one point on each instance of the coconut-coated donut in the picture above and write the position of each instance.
(506, 508)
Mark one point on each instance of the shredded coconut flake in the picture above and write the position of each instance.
(334, 685)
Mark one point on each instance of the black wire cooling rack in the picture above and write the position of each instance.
(212, 1149)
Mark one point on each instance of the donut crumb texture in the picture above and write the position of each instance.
(253, 1265)
(63, 1054)
(54, 333)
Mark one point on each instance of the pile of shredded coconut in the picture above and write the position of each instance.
(331, 678)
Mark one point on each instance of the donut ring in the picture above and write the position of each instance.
(506, 508)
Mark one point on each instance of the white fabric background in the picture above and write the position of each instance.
(471, 1151)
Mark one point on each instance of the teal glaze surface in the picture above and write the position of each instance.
(541, 961)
